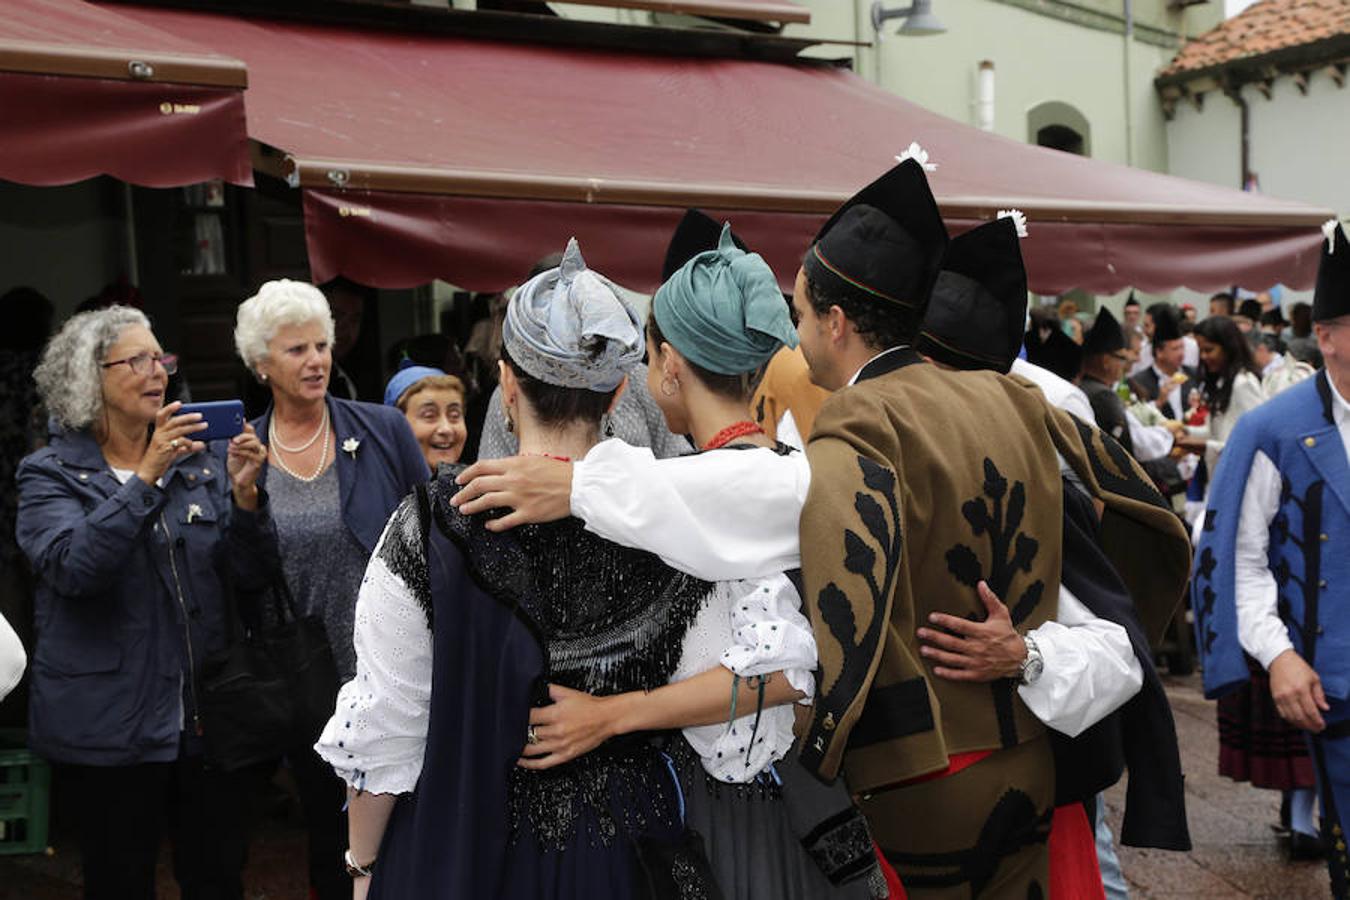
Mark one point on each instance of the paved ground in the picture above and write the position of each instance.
(1235, 853)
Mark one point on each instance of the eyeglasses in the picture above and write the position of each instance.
(144, 363)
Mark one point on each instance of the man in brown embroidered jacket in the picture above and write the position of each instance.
(924, 484)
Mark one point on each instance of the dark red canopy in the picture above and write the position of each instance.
(433, 157)
(754, 10)
(85, 92)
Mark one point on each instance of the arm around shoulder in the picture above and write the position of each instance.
(721, 515)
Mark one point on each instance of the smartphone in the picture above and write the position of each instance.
(224, 418)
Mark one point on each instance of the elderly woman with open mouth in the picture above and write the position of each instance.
(338, 468)
(433, 403)
(135, 531)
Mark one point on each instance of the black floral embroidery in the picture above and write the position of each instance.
(1204, 571)
(998, 517)
(1308, 540)
(1120, 477)
(837, 609)
(838, 614)
(1203, 585)
(1011, 550)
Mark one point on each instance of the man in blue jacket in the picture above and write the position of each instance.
(1272, 571)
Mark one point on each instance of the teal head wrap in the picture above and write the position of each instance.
(723, 310)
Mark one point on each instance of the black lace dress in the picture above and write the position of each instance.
(602, 619)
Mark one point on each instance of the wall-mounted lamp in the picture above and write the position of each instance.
(918, 16)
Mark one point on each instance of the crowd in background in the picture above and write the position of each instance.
(136, 550)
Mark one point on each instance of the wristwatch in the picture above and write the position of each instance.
(1034, 664)
(355, 869)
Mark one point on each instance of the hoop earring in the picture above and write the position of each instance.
(609, 425)
(510, 422)
(666, 386)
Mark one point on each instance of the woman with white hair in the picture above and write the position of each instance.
(135, 531)
(338, 469)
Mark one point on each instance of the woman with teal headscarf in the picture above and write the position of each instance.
(714, 326)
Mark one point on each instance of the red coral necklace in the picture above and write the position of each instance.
(731, 432)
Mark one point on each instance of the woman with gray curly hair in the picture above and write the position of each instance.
(135, 531)
(338, 469)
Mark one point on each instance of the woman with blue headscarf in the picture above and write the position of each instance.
(460, 630)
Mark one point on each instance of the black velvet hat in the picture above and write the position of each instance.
(1166, 325)
(886, 242)
(977, 316)
(697, 233)
(1105, 335)
(1058, 353)
(1250, 309)
(1331, 298)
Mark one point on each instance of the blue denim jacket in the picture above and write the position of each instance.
(132, 581)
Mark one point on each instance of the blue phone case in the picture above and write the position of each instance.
(224, 418)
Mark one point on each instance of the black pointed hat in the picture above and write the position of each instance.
(1250, 309)
(977, 316)
(697, 233)
(1105, 335)
(1058, 353)
(1166, 325)
(1331, 298)
(886, 241)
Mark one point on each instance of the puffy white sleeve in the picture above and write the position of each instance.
(12, 659)
(377, 736)
(680, 510)
(1090, 669)
(1260, 631)
(752, 627)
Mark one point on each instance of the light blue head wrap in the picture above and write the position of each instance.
(555, 320)
(723, 310)
(408, 374)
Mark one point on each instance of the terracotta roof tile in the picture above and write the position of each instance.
(1263, 28)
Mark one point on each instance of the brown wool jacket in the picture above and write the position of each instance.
(923, 482)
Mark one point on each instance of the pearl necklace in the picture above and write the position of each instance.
(323, 454)
(272, 434)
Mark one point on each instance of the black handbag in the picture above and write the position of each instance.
(271, 690)
(675, 869)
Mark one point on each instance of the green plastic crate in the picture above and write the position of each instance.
(25, 791)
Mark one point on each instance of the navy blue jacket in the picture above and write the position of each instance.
(381, 467)
(132, 581)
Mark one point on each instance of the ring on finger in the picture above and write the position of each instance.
(175, 443)
(531, 736)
